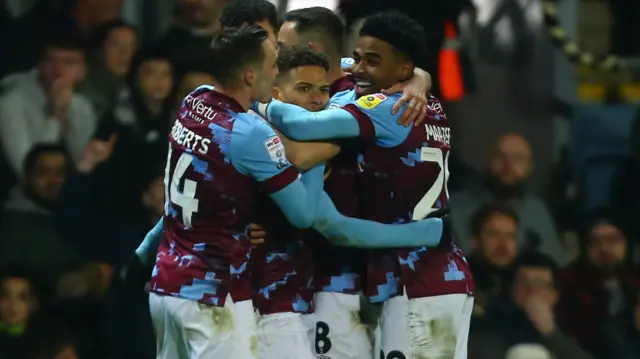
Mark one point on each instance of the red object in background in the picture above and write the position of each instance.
(450, 71)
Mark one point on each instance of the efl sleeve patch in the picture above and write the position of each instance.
(275, 149)
(371, 101)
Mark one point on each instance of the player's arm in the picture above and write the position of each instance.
(149, 246)
(305, 155)
(368, 118)
(302, 125)
(259, 153)
(351, 232)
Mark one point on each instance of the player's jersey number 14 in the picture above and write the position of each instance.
(427, 203)
(185, 199)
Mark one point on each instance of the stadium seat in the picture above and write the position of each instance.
(600, 142)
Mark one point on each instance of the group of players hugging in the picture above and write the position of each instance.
(293, 191)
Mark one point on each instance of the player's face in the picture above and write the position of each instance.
(498, 240)
(65, 64)
(16, 301)
(287, 36)
(607, 247)
(534, 281)
(304, 86)
(264, 77)
(156, 79)
(377, 66)
(118, 50)
(45, 180)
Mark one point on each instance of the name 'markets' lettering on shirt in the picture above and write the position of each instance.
(189, 139)
(438, 134)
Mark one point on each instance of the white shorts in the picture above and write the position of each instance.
(339, 332)
(432, 327)
(285, 336)
(190, 330)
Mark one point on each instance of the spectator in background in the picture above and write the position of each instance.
(524, 320)
(251, 12)
(187, 42)
(601, 287)
(42, 106)
(27, 235)
(113, 44)
(509, 170)
(494, 237)
(89, 15)
(20, 296)
(189, 81)
(140, 123)
(112, 239)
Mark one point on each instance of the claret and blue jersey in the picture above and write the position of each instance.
(404, 175)
(219, 158)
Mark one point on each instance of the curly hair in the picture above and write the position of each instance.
(403, 33)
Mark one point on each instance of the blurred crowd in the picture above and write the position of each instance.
(85, 106)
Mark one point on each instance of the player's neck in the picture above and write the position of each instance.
(241, 95)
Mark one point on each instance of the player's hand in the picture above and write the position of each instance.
(96, 152)
(540, 312)
(257, 234)
(446, 238)
(415, 96)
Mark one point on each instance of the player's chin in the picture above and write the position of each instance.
(364, 90)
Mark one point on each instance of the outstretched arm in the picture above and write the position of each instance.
(351, 232)
(302, 125)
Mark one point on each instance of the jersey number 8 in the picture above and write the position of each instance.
(185, 199)
(427, 203)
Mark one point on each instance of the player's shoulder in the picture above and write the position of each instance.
(250, 127)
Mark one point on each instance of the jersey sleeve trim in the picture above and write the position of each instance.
(367, 129)
(281, 180)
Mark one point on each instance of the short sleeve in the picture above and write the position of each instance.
(260, 153)
(373, 113)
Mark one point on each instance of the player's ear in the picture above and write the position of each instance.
(249, 76)
(275, 93)
(405, 70)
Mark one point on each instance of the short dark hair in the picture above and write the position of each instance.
(403, 33)
(328, 25)
(41, 149)
(103, 31)
(483, 213)
(66, 39)
(538, 260)
(234, 48)
(296, 56)
(247, 12)
(144, 55)
(37, 283)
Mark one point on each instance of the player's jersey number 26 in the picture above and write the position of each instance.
(427, 203)
(185, 199)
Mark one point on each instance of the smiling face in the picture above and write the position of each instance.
(304, 86)
(378, 66)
